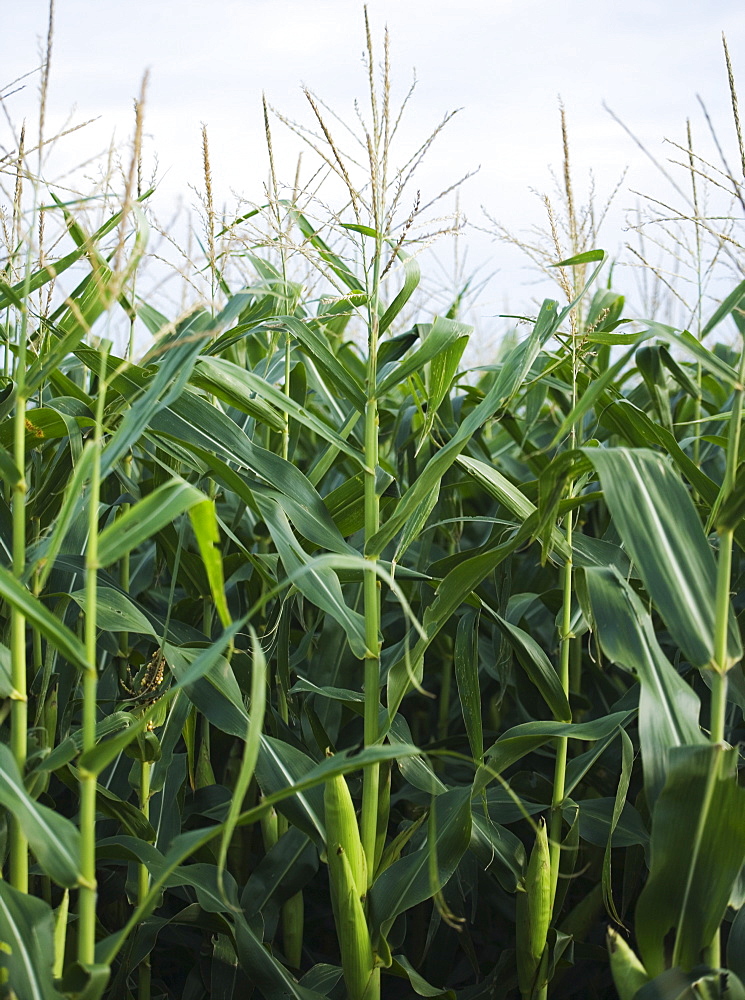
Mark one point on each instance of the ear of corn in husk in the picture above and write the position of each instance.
(533, 915)
(629, 975)
(357, 959)
(348, 880)
(342, 830)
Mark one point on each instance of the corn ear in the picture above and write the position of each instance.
(629, 975)
(293, 912)
(533, 914)
(343, 831)
(357, 961)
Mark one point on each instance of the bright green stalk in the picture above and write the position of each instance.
(565, 640)
(19, 705)
(371, 592)
(719, 674)
(721, 627)
(88, 887)
(143, 880)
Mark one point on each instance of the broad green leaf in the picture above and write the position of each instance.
(402, 967)
(537, 666)
(264, 970)
(115, 612)
(316, 344)
(203, 517)
(697, 851)
(215, 691)
(442, 334)
(209, 433)
(408, 881)
(495, 845)
(529, 736)
(668, 707)
(27, 933)
(73, 507)
(466, 660)
(412, 274)
(202, 663)
(658, 523)
(729, 306)
(38, 615)
(251, 748)
(709, 360)
(145, 518)
(619, 805)
(509, 495)
(228, 384)
(8, 468)
(284, 870)
(319, 585)
(221, 372)
(53, 838)
(442, 371)
(279, 766)
(515, 368)
(7, 688)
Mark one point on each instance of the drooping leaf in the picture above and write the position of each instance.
(697, 851)
(658, 523)
(51, 836)
(27, 933)
(668, 706)
(407, 881)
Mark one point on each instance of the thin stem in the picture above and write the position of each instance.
(88, 886)
(19, 705)
(143, 880)
(562, 742)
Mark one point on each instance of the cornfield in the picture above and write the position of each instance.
(332, 668)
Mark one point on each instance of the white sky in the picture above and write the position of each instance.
(504, 62)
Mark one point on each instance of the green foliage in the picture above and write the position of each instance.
(351, 673)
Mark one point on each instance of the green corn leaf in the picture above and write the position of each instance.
(251, 748)
(516, 366)
(407, 882)
(265, 971)
(314, 342)
(442, 334)
(412, 275)
(697, 851)
(319, 585)
(528, 736)
(658, 523)
(145, 518)
(37, 614)
(284, 870)
(53, 838)
(203, 517)
(27, 933)
(668, 706)
(220, 375)
(466, 660)
(115, 612)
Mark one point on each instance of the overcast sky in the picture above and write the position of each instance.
(503, 62)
